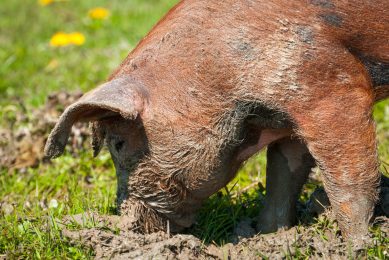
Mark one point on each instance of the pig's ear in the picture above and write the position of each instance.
(120, 96)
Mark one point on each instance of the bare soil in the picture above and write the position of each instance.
(295, 242)
(24, 131)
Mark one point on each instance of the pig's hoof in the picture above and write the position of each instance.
(382, 208)
(265, 228)
(268, 222)
(360, 243)
(383, 205)
(318, 202)
(265, 223)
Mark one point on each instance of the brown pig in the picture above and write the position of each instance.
(216, 81)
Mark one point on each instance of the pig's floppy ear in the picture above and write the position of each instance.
(120, 96)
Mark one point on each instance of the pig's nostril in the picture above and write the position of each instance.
(119, 145)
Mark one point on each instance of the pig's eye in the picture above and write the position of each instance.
(119, 145)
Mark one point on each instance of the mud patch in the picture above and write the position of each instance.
(112, 238)
(316, 241)
(129, 245)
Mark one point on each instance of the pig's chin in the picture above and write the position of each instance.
(138, 216)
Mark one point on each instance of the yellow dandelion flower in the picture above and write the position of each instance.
(45, 2)
(76, 38)
(99, 13)
(60, 39)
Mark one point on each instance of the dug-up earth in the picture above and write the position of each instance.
(24, 131)
(22, 137)
(299, 242)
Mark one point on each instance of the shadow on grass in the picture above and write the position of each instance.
(221, 213)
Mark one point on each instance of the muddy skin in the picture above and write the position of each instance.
(186, 81)
(323, 3)
(332, 19)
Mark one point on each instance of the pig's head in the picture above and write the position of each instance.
(161, 166)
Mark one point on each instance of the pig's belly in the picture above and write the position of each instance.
(202, 187)
(266, 137)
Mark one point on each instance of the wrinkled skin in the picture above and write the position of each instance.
(216, 81)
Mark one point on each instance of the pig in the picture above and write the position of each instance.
(214, 82)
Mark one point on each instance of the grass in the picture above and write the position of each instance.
(31, 69)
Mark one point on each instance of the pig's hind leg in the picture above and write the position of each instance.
(344, 147)
(288, 166)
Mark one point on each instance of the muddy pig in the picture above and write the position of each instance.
(215, 81)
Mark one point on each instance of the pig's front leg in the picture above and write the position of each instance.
(288, 166)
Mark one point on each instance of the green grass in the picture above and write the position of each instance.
(31, 69)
